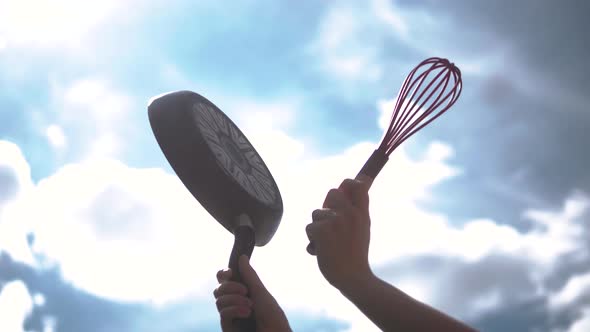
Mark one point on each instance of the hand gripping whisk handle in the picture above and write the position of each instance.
(367, 175)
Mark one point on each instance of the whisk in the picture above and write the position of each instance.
(428, 91)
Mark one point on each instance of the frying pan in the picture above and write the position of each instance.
(221, 169)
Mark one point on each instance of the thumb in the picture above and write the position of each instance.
(250, 277)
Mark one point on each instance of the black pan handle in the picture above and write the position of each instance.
(243, 245)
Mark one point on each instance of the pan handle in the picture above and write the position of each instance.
(243, 245)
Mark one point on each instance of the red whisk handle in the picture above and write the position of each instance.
(374, 165)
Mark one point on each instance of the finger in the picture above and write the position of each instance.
(335, 199)
(316, 216)
(228, 314)
(223, 275)
(232, 300)
(316, 230)
(230, 287)
(357, 192)
(250, 277)
(322, 214)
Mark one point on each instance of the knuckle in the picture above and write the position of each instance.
(334, 191)
(309, 229)
(349, 182)
(227, 288)
(219, 303)
(227, 301)
(227, 314)
(315, 215)
(219, 275)
(350, 185)
(314, 231)
(321, 214)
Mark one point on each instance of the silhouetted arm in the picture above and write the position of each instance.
(393, 310)
(340, 233)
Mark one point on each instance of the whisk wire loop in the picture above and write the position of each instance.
(429, 90)
(412, 111)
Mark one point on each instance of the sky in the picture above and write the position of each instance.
(485, 214)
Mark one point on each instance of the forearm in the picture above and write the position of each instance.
(393, 310)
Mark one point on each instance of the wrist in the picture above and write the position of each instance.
(358, 283)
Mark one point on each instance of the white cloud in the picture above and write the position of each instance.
(266, 126)
(424, 234)
(56, 136)
(341, 49)
(122, 233)
(105, 145)
(279, 114)
(582, 324)
(385, 107)
(95, 100)
(353, 37)
(12, 158)
(38, 300)
(386, 12)
(15, 306)
(51, 23)
(49, 324)
(556, 233)
(573, 289)
(95, 113)
(13, 163)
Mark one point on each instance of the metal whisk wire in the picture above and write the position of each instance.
(421, 99)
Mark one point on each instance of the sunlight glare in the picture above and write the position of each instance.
(45, 23)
